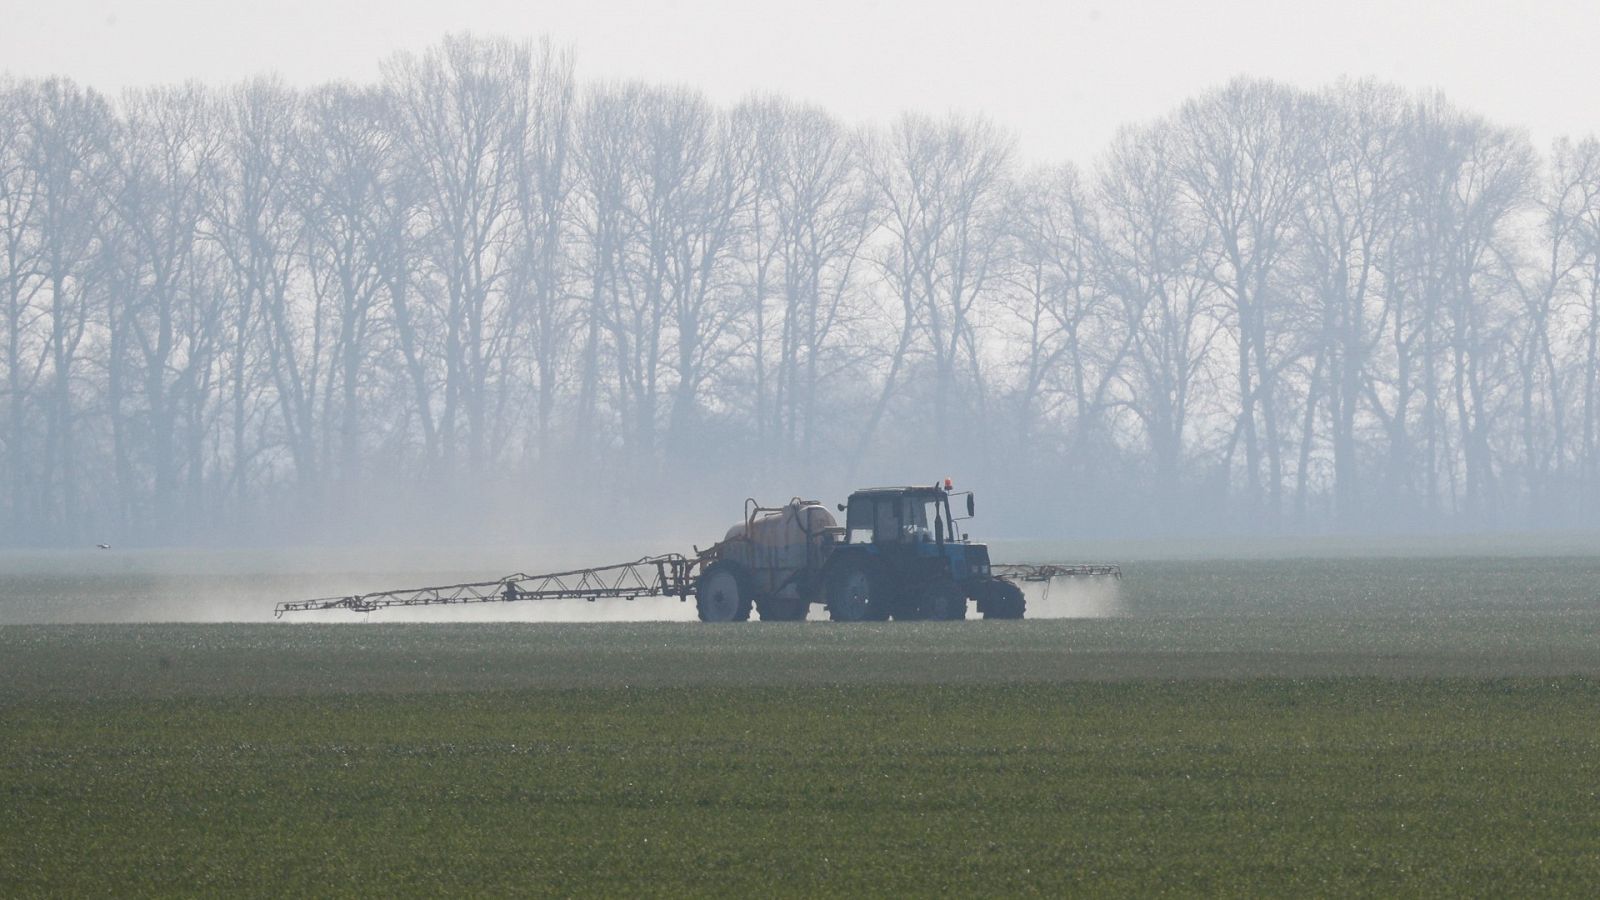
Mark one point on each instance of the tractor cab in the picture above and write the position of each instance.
(900, 515)
(915, 528)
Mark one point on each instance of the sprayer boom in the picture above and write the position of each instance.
(670, 575)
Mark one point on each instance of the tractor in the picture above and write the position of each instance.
(901, 554)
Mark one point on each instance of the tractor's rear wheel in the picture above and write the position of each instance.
(855, 595)
(782, 609)
(722, 594)
(1004, 601)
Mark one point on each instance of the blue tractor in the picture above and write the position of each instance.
(900, 554)
(905, 557)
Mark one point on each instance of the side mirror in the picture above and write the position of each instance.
(938, 530)
(841, 507)
(972, 508)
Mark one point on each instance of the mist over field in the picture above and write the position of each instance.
(1438, 577)
(70, 587)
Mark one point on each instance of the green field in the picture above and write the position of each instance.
(1329, 727)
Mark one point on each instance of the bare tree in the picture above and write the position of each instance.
(942, 186)
(1552, 282)
(342, 155)
(1464, 179)
(69, 132)
(166, 314)
(251, 214)
(460, 116)
(695, 194)
(808, 219)
(1573, 208)
(1347, 223)
(1243, 162)
(607, 186)
(540, 286)
(22, 296)
(1073, 339)
(1149, 255)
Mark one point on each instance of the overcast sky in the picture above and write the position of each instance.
(1062, 76)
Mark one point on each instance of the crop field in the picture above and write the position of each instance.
(1331, 726)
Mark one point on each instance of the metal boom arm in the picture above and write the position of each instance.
(1047, 571)
(671, 575)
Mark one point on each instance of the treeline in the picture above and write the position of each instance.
(482, 285)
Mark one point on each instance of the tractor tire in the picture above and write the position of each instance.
(910, 608)
(856, 594)
(722, 594)
(908, 613)
(782, 609)
(939, 601)
(945, 602)
(1004, 601)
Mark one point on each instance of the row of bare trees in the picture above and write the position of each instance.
(480, 285)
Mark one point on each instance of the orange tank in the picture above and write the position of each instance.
(778, 546)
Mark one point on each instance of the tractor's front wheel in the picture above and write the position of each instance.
(722, 594)
(854, 595)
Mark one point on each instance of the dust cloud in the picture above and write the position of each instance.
(165, 586)
(1074, 598)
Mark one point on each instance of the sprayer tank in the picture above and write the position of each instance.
(775, 545)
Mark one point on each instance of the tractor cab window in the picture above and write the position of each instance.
(885, 522)
(917, 518)
(931, 514)
(861, 520)
(892, 520)
(882, 520)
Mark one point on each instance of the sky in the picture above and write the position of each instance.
(1060, 76)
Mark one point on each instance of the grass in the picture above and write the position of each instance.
(1421, 727)
(1260, 787)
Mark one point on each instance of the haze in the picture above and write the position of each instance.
(467, 273)
(1063, 76)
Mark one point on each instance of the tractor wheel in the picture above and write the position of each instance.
(722, 594)
(782, 609)
(945, 602)
(855, 595)
(911, 607)
(940, 601)
(1005, 601)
